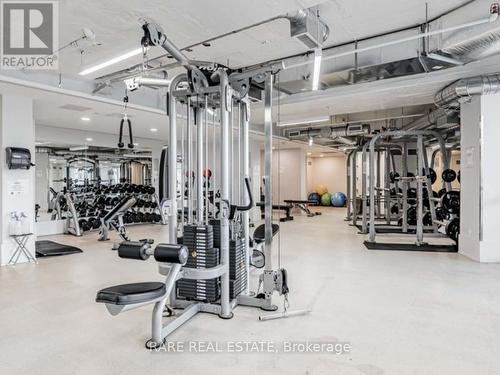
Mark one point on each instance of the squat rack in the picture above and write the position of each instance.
(423, 177)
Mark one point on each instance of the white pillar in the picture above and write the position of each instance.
(480, 195)
(17, 129)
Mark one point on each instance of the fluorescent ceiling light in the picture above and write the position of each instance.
(89, 139)
(317, 68)
(85, 118)
(154, 130)
(112, 61)
(79, 148)
(314, 121)
(136, 156)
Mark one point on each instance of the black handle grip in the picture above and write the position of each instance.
(131, 143)
(120, 138)
(249, 192)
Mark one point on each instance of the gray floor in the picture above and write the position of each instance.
(402, 313)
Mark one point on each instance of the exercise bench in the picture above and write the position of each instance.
(287, 208)
(302, 205)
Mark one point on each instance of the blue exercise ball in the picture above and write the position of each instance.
(315, 197)
(339, 199)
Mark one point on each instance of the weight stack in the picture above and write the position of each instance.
(237, 262)
(202, 254)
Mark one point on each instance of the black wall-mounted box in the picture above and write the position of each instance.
(18, 158)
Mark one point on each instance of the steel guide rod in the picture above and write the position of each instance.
(200, 112)
(172, 160)
(207, 168)
(214, 175)
(189, 150)
(183, 171)
(268, 171)
(244, 167)
(225, 103)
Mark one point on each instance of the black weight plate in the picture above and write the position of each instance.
(449, 175)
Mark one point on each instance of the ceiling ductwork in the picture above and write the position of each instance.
(440, 118)
(449, 97)
(473, 43)
(345, 135)
(307, 27)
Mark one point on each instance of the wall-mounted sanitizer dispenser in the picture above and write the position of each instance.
(18, 158)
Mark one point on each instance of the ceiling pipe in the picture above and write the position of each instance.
(294, 18)
(427, 120)
(449, 97)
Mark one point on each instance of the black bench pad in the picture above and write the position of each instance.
(128, 294)
(259, 235)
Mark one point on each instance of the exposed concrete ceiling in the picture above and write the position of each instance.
(116, 28)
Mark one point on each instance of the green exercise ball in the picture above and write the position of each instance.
(326, 199)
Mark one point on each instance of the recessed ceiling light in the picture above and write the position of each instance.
(85, 118)
(89, 139)
(321, 155)
(154, 130)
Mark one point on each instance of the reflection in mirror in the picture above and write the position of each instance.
(80, 171)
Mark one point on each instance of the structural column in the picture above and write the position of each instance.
(17, 129)
(480, 196)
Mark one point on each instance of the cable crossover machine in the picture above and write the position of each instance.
(206, 263)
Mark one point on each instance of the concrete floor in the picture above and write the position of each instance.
(402, 313)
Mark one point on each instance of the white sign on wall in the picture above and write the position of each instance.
(18, 187)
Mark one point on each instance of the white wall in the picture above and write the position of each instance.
(289, 174)
(329, 171)
(16, 130)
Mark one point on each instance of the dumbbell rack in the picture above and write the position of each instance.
(109, 197)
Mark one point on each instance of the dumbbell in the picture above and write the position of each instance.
(411, 195)
(84, 225)
(427, 219)
(411, 216)
(442, 214)
(451, 202)
(395, 209)
(394, 176)
(127, 218)
(453, 229)
(140, 217)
